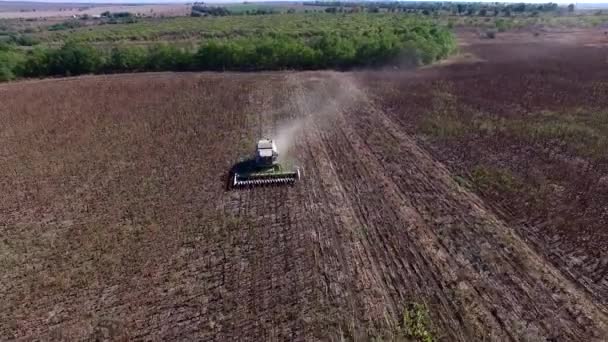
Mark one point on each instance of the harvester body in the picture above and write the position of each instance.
(264, 169)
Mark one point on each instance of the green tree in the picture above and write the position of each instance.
(167, 57)
(336, 51)
(75, 59)
(6, 71)
(127, 59)
(37, 62)
(214, 55)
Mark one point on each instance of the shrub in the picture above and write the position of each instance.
(108, 14)
(6, 74)
(215, 55)
(22, 40)
(501, 25)
(66, 25)
(198, 10)
(36, 63)
(10, 61)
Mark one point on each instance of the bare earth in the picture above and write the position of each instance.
(116, 221)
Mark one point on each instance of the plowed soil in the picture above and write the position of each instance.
(115, 220)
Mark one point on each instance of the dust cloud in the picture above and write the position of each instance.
(286, 136)
(316, 103)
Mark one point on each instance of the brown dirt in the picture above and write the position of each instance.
(115, 219)
(562, 208)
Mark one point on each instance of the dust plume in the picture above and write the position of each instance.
(316, 103)
(286, 136)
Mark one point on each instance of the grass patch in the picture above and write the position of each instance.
(495, 181)
(584, 132)
(579, 131)
(442, 126)
(443, 121)
(416, 324)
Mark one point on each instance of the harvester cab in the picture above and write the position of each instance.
(266, 154)
(264, 169)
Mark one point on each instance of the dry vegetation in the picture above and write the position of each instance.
(462, 202)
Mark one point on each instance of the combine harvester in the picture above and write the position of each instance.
(265, 169)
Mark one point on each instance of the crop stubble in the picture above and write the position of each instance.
(116, 220)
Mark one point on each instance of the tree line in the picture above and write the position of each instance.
(202, 10)
(430, 7)
(421, 44)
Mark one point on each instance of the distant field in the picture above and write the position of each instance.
(155, 26)
(27, 6)
(296, 25)
(13, 10)
(40, 10)
(276, 6)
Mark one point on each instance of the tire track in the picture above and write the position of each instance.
(441, 203)
(336, 231)
(271, 293)
(411, 234)
(386, 261)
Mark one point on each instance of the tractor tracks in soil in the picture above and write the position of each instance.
(374, 225)
(402, 230)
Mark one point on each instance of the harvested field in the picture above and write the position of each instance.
(116, 221)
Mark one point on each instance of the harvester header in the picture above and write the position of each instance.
(264, 168)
